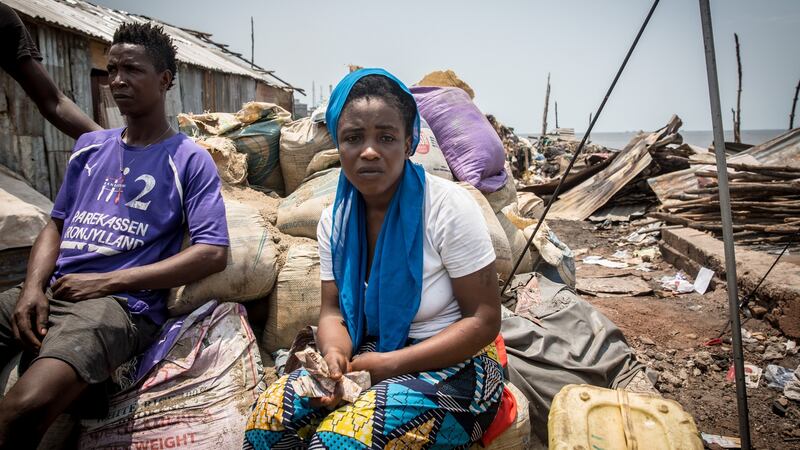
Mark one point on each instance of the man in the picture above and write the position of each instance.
(99, 272)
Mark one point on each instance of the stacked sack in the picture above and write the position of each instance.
(253, 131)
(274, 261)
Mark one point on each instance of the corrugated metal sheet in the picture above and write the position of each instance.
(784, 149)
(191, 84)
(66, 58)
(100, 22)
(22, 146)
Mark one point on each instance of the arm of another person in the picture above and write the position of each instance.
(479, 300)
(56, 107)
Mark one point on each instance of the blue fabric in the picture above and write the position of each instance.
(339, 97)
(387, 306)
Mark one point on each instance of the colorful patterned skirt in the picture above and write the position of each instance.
(448, 408)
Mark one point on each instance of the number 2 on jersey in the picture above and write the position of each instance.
(149, 184)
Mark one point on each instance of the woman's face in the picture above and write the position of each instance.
(373, 146)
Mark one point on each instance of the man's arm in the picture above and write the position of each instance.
(56, 107)
(30, 314)
(191, 264)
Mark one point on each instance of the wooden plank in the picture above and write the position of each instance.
(173, 104)
(272, 94)
(191, 89)
(33, 163)
(209, 94)
(98, 52)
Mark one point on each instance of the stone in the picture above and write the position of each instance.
(703, 360)
(662, 365)
(669, 378)
(696, 372)
(660, 356)
(715, 368)
(671, 352)
(758, 311)
(691, 336)
(773, 352)
(646, 341)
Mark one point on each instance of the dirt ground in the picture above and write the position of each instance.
(668, 333)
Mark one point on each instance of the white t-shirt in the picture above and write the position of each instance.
(457, 243)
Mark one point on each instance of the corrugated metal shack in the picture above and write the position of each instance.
(73, 37)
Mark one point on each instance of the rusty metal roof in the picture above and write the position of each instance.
(783, 149)
(194, 47)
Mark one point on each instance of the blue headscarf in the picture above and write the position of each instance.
(387, 306)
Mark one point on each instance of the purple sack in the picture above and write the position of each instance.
(471, 146)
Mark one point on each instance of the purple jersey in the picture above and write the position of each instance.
(126, 206)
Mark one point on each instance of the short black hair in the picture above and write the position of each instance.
(379, 86)
(155, 41)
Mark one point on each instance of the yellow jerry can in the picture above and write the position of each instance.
(584, 417)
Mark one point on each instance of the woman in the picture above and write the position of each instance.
(409, 293)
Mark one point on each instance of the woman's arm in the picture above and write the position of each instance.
(333, 340)
(479, 299)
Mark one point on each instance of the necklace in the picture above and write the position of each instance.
(121, 182)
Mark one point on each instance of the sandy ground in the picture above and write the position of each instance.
(668, 334)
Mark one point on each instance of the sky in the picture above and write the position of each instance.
(505, 49)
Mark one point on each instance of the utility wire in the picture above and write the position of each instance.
(596, 116)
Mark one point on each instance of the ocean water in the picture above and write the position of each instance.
(700, 138)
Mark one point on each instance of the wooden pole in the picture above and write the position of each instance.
(252, 43)
(737, 119)
(556, 115)
(546, 104)
(794, 105)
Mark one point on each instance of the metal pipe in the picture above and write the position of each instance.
(580, 147)
(727, 223)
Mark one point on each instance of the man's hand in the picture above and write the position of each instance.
(337, 366)
(30, 318)
(379, 366)
(77, 287)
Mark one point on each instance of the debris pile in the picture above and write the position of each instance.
(765, 203)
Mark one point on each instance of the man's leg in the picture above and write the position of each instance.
(85, 342)
(9, 347)
(43, 392)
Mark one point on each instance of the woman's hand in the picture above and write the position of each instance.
(337, 366)
(379, 365)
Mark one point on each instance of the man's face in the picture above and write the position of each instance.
(137, 86)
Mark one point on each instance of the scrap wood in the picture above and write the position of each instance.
(717, 226)
(586, 198)
(765, 201)
(781, 152)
